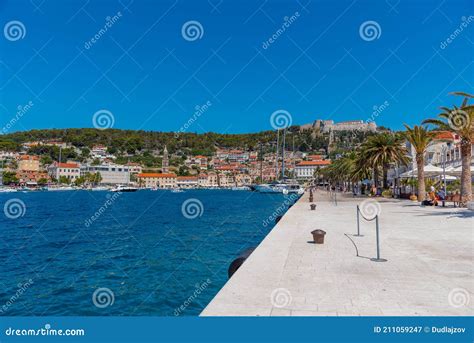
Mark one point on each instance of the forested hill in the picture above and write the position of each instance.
(132, 141)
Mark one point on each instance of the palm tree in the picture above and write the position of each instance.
(461, 122)
(419, 137)
(380, 151)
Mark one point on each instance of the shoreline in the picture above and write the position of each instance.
(429, 253)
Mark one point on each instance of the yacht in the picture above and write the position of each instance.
(280, 187)
(7, 190)
(122, 189)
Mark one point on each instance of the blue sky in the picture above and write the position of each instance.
(149, 77)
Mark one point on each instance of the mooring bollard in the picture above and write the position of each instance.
(313, 207)
(318, 236)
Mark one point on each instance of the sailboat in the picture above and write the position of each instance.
(282, 185)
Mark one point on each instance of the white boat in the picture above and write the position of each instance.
(241, 188)
(122, 189)
(177, 190)
(284, 188)
(57, 189)
(7, 190)
(97, 189)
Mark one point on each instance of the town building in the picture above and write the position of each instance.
(306, 169)
(69, 170)
(199, 161)
(112, 174)
(203, 180)
(134, 168)
(243, 179)
(212, 179)
(31, 178)
(187, 181)
(29, 163)
(157, 180)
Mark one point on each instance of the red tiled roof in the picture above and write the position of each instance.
(444, 135)
(314, 163)
(29, 157)
(156, 175)
(68, 165)
(189, 178)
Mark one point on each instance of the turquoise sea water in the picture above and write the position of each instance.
(103, 253)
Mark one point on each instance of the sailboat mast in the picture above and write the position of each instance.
(283, 156)
(276, 155)
(59, 164)
(261, 163)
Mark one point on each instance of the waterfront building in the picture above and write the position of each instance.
(69, 170)
(202, 180)
(29, 163)
(157, 180)
(165, 161)
(226, 180)
(212, 179)
(134, 168)
(31, 178)
(306, 169)
(187, 181)
(111, 173)
(243, 179)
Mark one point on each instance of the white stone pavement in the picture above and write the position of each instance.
(429, 269)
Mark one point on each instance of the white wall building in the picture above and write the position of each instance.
(111, 173)
(306, 169)
(69, 170)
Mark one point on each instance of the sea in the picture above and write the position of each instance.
(144, 253)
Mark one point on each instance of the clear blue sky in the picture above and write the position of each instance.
(144, 72)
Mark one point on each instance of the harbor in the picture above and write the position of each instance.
(427, 272)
